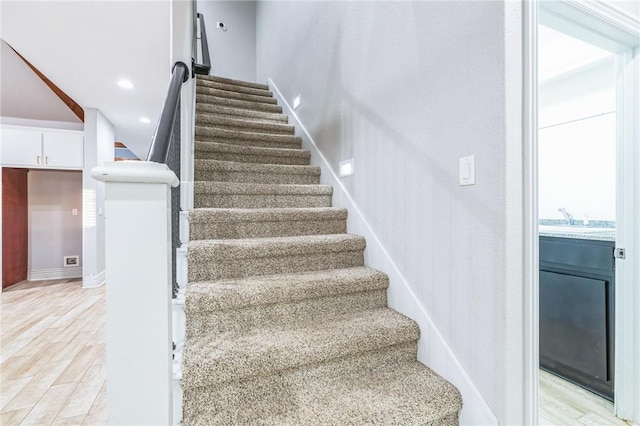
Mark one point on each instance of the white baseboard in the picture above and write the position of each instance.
(433, 349)
(54, 273)
(94, 280)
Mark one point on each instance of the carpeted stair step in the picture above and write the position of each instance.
(250, 154)
(282, 300)
(232, 123)
(231, 171)
(242, 114)
(386, 387)
(212, 223)
(215, 359)
(284, 323)
(221, 259)
(248, 138)
(235, 103)
(233, 88)
(233, 82)
(258, 196)
(204, 90)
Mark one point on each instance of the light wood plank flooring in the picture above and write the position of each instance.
(52, 360)
(564, 404)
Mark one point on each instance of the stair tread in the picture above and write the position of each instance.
(403, 392)
(233, 87)
(232, 81)
(251, 150)
(277, 246)
(228, 294)
(237, 103)
(206, 164)
(251, 125)
(205, 90)
(214, 131)
(243, 114)
(266, 214)
(216, 359)
(212, 187)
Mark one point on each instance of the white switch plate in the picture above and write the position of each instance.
(74, 212)
(467, 171)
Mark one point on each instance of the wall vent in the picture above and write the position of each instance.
(71, 261)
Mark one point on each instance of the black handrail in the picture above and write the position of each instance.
(165, 148)
(164, 130)
(205, 67)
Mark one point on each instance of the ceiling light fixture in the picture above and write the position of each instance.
(145, 120)
(125, 84)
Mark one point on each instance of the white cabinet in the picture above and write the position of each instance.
(41, 148)
(21, 148)
(62, 150)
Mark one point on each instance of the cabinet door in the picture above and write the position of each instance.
(21, 148)
(62, 150)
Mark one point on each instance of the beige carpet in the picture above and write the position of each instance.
(285, 323)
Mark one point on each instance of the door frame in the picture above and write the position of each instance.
(627, 345)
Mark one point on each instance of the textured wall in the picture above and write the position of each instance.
(233, 52)
(407, 88)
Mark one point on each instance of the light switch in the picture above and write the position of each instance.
(467, 171)
(74, 212)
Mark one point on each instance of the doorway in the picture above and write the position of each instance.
(587, 214)
(42, 225)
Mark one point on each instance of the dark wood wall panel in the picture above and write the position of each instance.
(15, 243)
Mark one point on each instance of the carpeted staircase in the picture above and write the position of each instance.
(285, 325)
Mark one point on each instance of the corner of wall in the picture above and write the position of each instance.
(94, 280)
(433, 349)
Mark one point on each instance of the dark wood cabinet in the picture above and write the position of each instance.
(577, 288)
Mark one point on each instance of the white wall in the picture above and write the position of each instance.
(577, 144)
(25, 97)
(54, 232)
(99, 141)
(407, 88)
(233, 52)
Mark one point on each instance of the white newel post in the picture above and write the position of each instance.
(138, 261)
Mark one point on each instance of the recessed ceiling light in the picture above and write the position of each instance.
(144, 120)
(125, 84)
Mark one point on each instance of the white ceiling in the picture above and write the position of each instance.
(85, 47)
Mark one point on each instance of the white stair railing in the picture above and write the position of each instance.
(138, 250)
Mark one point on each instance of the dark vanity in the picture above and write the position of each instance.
(577, 287)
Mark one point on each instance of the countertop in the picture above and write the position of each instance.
(580, 232)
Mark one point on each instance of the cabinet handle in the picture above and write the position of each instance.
(38, 159)
(46, 160)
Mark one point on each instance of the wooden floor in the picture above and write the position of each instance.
(52, 363)
(564, 404)
(52, 360)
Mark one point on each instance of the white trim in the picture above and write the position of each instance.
(42, 124)
(627, 298)
(54, 273)
(521, 237)
(530, 199)
(135, 172)
(94, 280)
(610, 14)
(433, 349)
(595, 18)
